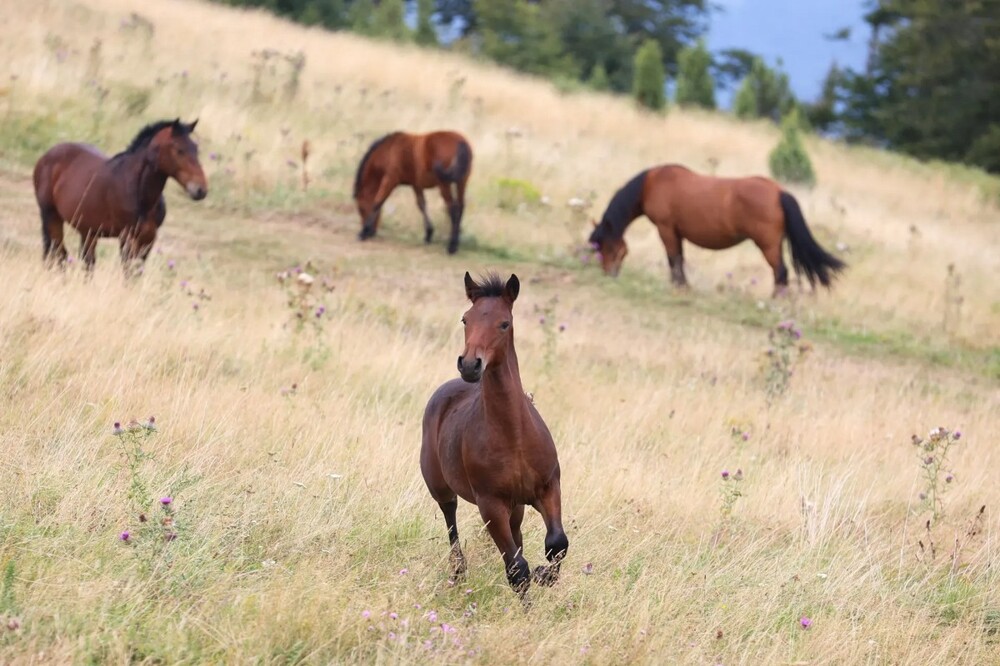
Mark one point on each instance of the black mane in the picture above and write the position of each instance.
(490, 285)
(625, 206)
(364, 160)
(147, 133)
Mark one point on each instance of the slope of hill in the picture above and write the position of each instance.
(304, 531)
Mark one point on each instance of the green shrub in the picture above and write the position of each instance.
(647, 86)
(512, 193)
(789, 161)
(695, 85)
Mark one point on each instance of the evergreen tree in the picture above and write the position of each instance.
(426, 35)
(598, 78)
(764, 93)
(649, 76)
(389, 21)
(789, 161)
(360, 17)
(516, 34)
(695, 85)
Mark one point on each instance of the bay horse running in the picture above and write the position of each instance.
(438, 159)
(120, 197)
(484, 441)
(713, 213)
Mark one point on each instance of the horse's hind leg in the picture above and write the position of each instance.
(456, 206)
(456, 558)
(88, 250)
(53, 249)
(675, 254)
(497, 514)
(773, 254)
(422, 205)
(556, 543)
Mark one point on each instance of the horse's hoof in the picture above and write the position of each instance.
(428, 236)
(546, 576)
(452, 248)
(366, 233)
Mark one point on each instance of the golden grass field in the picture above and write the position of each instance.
(305, 534)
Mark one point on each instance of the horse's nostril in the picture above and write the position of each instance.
(479, 363)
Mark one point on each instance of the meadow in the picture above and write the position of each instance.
(299, 529)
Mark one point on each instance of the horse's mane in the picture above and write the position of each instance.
(147, 133)
(364, 160)
(624, 207)
(490, 285)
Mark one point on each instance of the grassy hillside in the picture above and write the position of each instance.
(304, 532)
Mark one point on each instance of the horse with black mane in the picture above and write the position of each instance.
(120, 197)
(713, 213)
(422, 161)
(484, 441)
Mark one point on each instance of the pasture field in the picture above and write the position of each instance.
(289, 447)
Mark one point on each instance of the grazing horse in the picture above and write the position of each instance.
(121, 197)
(713, 213)
(422, 161)
(484, 441)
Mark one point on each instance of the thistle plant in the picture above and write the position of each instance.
(133, 439)
(730, 493)
(304, 289)
(551, 329)
(932, 452)
(784, 350)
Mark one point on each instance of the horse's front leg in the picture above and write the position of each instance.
(556, 542)
(370, 224)
(497, 513)
(675, 254)
(88, 249)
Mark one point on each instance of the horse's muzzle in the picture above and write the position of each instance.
(196, 191)
(471, 372)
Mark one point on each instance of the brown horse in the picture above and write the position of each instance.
(422, 161)
(121, 197)
(485, 442)
(714, 213)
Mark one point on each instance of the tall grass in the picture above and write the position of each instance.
(304, 532)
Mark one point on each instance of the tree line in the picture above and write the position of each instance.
(931, 86)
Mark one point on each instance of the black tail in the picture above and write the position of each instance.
(459, 168)
(807, 255)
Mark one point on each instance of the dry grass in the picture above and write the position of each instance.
(277, 559)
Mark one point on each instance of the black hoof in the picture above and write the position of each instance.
(428, 236)
(453, 247)
(366, 233)
(546, 576)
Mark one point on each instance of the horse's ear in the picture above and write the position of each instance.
(190, 128)
(511, 289)
(593, 222)
(472, 290)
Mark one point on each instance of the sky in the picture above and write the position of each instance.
(792, 30)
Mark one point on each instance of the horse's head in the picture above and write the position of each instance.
(488, 324)
(610, 249)
(173, 152)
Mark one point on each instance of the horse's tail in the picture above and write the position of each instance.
(807, 255)
(460, 166)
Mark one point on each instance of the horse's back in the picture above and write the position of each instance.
(64, 160)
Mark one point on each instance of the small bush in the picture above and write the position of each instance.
(789, 161)
(647, 86)
(514, 193)
(695, 85)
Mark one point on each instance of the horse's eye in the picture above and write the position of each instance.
(504, 326)
(463, 321)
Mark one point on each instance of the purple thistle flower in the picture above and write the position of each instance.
(166, 501)
(725, 475)
(562, 327)
(929, 460)
(805, 622)
(393, 616)
(195, 307)
(949, 477)
(922, 496)
(320, 311)
(541, 320)
(171, 263)
(214, 157)
(117, 430)
(432, 616)
(745, 436)
(404, 571)
(957, 435)
(125, 536)
(366, 614)
(392, 635)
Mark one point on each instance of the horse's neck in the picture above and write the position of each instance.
(503, 394)
(142, 183)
